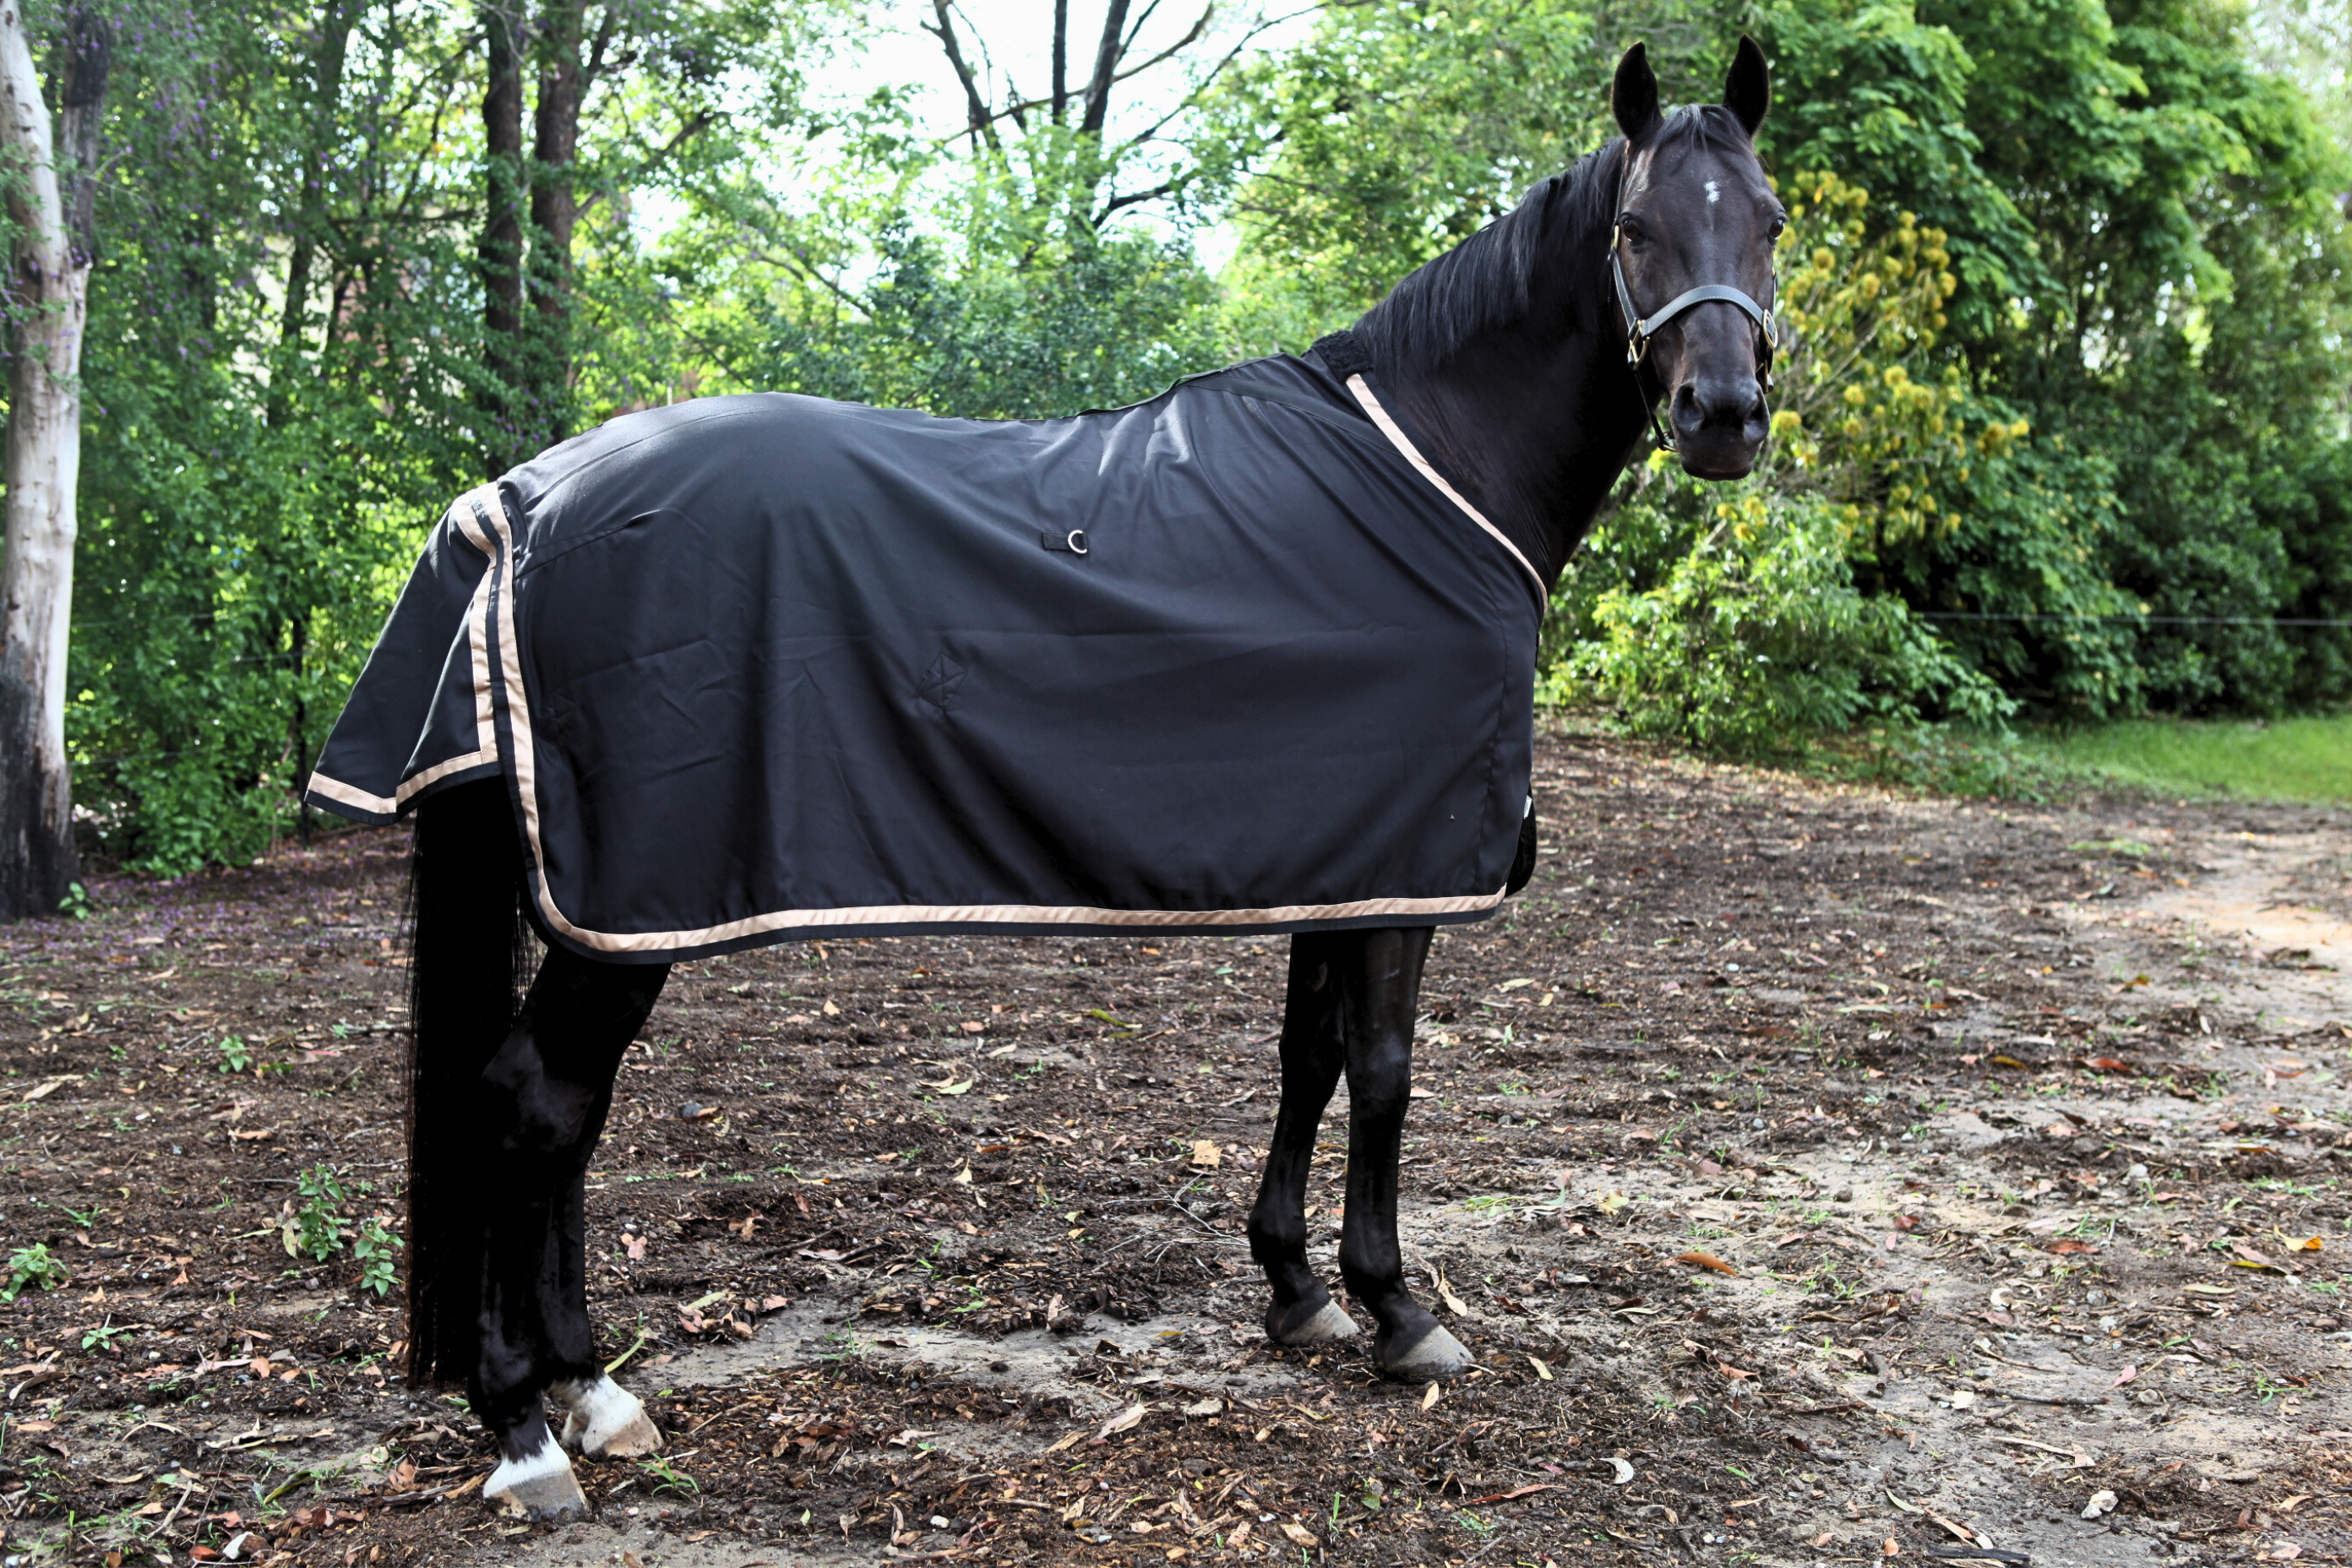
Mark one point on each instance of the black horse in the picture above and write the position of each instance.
(1506, 384)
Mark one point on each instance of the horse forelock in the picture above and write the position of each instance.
(1550, 246)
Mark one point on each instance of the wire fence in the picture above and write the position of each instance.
(2132, 620)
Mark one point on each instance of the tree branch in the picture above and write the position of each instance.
(1132, 197)
(1061, 83)
(1014, 110)
(1106, 72)
(980, 124)
(702, 120)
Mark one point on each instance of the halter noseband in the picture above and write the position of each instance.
(1640, 330)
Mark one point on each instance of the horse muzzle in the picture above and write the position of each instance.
(1719, 423)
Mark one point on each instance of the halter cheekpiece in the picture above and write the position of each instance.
(1641, 329)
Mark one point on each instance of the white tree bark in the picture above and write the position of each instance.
(43, 468)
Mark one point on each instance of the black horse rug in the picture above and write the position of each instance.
(762, 667)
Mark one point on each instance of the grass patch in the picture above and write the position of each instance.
(2285, 759)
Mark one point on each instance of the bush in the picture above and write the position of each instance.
(1757, 638)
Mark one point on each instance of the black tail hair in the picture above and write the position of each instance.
(470, 954)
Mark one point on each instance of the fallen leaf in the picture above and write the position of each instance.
(1541, 1371)
(950, 1086)
(2305, 1244)
(2065, 1247)
(1066, 1440)
(1205, 1408)
(1706, 1260)
(1625, 1471)
(1125, 1420)
(1429, 1396)
(2284, 1551)
(829, 1010)
(1299, 1534)
(1611, 1201)
(2124, 1376)
(1206, 1155)
(1454, 1303)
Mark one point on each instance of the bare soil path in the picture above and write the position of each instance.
(1820, 1175)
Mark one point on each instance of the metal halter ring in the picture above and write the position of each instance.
(1640, 330)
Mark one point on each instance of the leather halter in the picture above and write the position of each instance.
(1640, 328)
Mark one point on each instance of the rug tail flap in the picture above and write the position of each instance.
(420, 715)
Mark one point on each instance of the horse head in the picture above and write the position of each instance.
(1691, 258)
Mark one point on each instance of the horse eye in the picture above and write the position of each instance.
(1779, 225)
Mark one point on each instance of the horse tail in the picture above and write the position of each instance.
(471, 955)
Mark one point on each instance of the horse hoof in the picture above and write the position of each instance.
(604, 1421)
(538, 1486)
(1433, 1358)
(1326, 1324)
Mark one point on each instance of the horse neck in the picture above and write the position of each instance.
(1538, 415)
(1538, 430)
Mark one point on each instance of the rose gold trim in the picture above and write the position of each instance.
(1402, 443)
(335, 789)
(478, 502)
(524, 763)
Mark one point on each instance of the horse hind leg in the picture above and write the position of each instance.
(1302, 1312)
(602, 1420)
(549, 1087)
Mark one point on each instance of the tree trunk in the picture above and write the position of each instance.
(310, 202)
(555, 208)
(42, 467)
(501, 248)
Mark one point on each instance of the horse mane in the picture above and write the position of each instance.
(1488, 281)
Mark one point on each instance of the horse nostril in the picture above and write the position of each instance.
(1690, 410)
(1734, 402)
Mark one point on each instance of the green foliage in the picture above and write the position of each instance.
(235, 1055)
(317, 1224)
(314, 1227)
(375, 1249)
(1757, 638)
(1099, 323)
(1399, 130)
(32, 1268)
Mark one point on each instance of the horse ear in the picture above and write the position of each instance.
(1633, 96)
(1748, 90)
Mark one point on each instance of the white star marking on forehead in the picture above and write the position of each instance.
(1712, 195)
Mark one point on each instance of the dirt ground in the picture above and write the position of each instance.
(1819, 1176)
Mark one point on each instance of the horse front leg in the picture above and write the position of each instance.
(1303, 1312)
(1377, 974)
(547, 1092)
